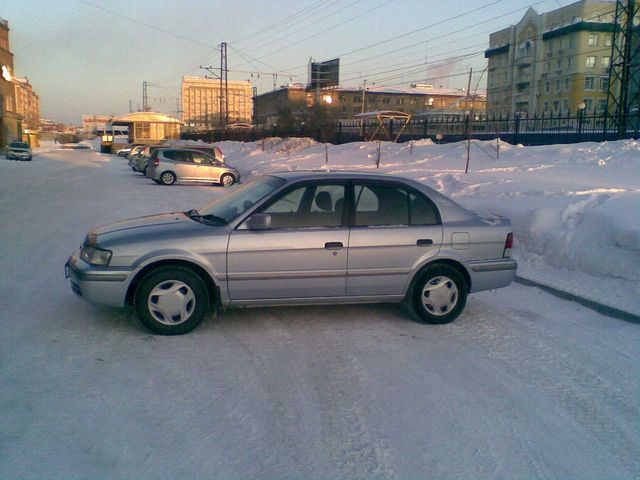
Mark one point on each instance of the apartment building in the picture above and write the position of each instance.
(346, 102)
(552, 63)
(201, 102)
(9, 120)
(27, 104)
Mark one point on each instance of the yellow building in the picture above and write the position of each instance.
(201, 102)
(27, 104)
(9, 120)
(552, 63)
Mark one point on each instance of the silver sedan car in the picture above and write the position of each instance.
(297, 238)
(169, 165)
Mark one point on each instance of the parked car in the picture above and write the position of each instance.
(135, 151)
(170, 165)
(18, 151)
(206, 148)
(297, 238)
(124, 151)
(138, 163)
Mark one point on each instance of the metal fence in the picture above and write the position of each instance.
(528, 130)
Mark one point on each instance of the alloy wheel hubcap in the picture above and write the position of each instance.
(227, 180)
(440, 295)
(171, 302)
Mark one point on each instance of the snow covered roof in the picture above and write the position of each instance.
(145, 117)
(410, 90)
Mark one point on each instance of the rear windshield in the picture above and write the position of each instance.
(18, 145)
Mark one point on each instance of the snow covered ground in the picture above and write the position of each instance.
(522, 385)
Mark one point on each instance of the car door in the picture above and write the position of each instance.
(393, 229)
(302, 255)
(204, 169)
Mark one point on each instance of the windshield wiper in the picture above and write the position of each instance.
(212, 219)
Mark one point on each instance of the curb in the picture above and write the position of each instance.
(598, 307)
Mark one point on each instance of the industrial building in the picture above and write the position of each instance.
(343, 103)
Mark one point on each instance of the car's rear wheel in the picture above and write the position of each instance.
(167, 178)
(171, 300)
(438, 295)
(227, 180)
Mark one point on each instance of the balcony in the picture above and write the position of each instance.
(524, 61)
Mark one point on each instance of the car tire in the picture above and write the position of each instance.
(171, 300)
(167, 178)
(227, 180)
(438, 295)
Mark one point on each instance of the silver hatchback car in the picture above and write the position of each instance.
(297, 238)
(169, 165)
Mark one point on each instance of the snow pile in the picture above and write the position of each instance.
(575, 208)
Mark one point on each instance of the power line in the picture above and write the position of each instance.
(137, 21)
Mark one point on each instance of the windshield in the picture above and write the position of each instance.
(18, 145)
(241, 198)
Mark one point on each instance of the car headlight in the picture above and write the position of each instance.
(95, 256)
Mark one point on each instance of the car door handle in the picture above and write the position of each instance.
(424, 242)
(333, 245)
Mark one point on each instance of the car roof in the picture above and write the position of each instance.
(336, 174)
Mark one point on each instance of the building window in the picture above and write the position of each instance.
(588, 102)
(567, 84)
(556, 105)
(592, 40)
(569, 62)
(602, 104)
(604, 62)
(572, 41)
(546, 106)
(591, 62)
(547, 87)
(589, 83)
(607, 41)
(8, 103)
(565, 104)
(604, 83)
(559, 64)
(558, 86)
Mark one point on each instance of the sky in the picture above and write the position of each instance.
(88, 57)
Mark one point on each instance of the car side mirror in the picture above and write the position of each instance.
(259, 221)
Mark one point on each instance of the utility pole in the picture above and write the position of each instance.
(145, 98)
(130, 106)
(364, 90)
(224, 86)
(467, 114)
(624, 68)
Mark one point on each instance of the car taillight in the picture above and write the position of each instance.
(156, 162)
(508, 244)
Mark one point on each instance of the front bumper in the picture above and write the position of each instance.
(101, 285)
(19, 155)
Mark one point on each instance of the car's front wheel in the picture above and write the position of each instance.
(438, 295)
(171, 300)
(168, 178)
(227, 180)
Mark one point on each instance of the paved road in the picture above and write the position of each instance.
(523, 385)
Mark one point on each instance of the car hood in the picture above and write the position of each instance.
(152, 228)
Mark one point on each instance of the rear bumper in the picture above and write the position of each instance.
(490, 274)
(100, 285)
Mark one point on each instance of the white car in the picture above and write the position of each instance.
(19, 151)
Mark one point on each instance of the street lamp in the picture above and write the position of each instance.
(581, 108)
